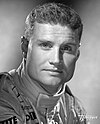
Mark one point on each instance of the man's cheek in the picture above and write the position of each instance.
(68, 64)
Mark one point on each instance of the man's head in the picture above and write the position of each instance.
(54, 33)
(53, 13)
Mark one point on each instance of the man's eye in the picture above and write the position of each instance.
(45, 45)
(68, 48)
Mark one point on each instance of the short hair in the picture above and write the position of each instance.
(53, 13)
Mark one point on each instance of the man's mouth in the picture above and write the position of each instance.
(54, 71)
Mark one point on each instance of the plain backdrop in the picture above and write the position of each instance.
(85, 83)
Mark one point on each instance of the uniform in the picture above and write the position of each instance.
(18, 105)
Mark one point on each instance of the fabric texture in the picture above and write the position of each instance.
(17, 106)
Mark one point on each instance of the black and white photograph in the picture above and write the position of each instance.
(49, 61)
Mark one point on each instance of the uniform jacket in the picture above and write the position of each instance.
(16, 107)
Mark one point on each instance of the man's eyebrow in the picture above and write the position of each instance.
(69, 43)
(42, 41)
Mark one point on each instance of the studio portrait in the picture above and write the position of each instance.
(49, 62)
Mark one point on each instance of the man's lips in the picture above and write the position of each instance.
(53, 70)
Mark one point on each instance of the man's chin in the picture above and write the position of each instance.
(51, 81)
(51, 86)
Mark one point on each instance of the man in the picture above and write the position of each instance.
(36, 93)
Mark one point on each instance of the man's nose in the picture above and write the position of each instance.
(56, 56)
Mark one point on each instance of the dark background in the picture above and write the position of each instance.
(85, 83)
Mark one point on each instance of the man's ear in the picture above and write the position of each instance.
(24, 46)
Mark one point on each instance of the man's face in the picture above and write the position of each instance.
(52, 54)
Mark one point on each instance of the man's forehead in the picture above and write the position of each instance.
(52, 29)
(54, 33)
